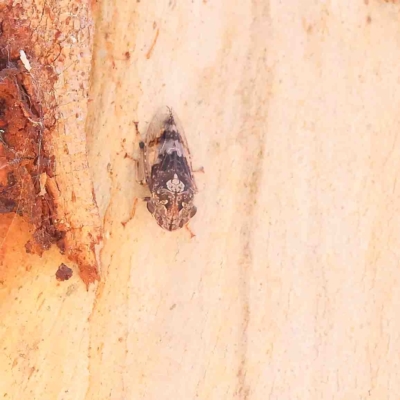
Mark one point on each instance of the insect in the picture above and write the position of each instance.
(165, 166)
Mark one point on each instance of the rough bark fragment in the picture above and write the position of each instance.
(63, 273)
(45, 59)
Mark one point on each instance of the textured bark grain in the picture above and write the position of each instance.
(291, 287)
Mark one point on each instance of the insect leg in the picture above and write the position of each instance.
(131, 214)
(139, 167)
(192, 235)
(201, 169)
(141, 175)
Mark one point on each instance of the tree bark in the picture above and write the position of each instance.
(290, 288)
(46, 52)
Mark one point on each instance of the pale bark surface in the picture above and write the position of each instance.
(290, 290)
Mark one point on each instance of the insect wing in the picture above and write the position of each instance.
(182, 136)
(164, 118)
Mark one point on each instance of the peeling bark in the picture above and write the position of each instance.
(45, 59)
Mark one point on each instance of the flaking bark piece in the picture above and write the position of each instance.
(44, 174)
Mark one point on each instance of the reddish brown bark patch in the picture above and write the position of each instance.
(25, 155)
(63, 273)
(30, 135)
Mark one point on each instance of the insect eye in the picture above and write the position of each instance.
(150, 207)
(193, 211)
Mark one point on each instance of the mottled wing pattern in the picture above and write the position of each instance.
(153, 140)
